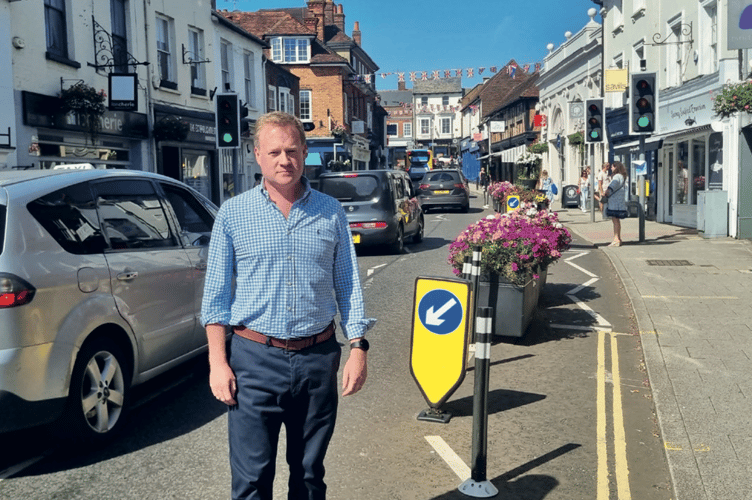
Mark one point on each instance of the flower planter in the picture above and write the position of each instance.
(513, 305)
(527, 183)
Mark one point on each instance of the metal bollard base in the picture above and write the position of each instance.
(435, 415)
(478, 489)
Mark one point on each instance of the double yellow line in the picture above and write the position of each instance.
(621, 468)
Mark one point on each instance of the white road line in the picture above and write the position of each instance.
(577, 256)
(450, 457)
(581, 269)
(591, 328)
(373, 269)
(579, 288)
(10, 471)
(598, 318)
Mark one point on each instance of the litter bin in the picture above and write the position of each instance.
(569, 197)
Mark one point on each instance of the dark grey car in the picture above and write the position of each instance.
(102, 275)
(380, 205)
(444, 188)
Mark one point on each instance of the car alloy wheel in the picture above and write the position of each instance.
(418, 237)
(98, 393)
(399, 244)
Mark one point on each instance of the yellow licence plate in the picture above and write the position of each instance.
(441, 191)
(356, 238)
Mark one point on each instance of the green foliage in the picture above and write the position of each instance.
(538, 147)
(86, 103)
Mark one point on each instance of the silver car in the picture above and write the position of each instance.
(101, 278)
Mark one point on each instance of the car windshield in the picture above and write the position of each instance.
(353, 187)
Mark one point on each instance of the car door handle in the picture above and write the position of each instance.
(127, 276)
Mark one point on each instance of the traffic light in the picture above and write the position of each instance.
(228, 121)
(642, 94)
(594, 120)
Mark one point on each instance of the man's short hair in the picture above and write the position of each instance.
(278, 119)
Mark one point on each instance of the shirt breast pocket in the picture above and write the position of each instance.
(320, 242)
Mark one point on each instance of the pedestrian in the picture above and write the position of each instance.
(257, 179)
(584, 190)
(485, 181)
(616, 208)
(545, 184)
(289, 252)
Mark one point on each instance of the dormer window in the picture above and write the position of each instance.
(291, 50)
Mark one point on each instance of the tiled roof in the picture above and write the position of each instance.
(502, 89)
(450, 85)
(395, 97)
(267, 22)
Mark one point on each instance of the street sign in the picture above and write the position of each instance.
(438, 351)
(513, 202)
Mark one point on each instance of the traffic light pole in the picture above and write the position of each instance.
(592, 183)
(641, 192)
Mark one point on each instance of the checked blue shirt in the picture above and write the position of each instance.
(290, 273)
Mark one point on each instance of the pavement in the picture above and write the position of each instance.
(691, 297)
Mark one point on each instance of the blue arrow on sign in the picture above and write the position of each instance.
(440, 311)
(513, 202)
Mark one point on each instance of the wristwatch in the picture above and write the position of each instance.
(360, 344)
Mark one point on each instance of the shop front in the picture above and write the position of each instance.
(691, 158)
(56, 138)
(188, 154)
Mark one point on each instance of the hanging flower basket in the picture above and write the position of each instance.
(339, 130)
(170, 128)
(87, 104)
(733, 97)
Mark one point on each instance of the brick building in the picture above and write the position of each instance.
(337, 89)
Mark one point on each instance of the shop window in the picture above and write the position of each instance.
(698, 167)
(682, 174)
(196, 168)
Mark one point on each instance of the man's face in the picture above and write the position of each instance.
(281, 155)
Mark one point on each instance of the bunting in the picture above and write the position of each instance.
(512, 69)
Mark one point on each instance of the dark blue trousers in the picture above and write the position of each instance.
(275, 387)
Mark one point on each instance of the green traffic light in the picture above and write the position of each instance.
(227, 138)
(643, 121)
(594, 134)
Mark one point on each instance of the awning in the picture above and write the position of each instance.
(681, 133)
(651, 143)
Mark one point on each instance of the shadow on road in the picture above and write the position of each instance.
(499, 400)
(531, 487)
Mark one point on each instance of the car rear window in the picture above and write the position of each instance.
(70, 216)
(351, 188)
(441, 177)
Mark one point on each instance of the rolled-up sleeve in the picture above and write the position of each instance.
(217, 300)
(347, 289)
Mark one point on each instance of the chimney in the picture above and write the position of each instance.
(316, 8)
(356, 33)
(311, 23)
(339, 18)
(329, 12)
(401, 85)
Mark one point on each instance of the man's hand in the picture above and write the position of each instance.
(223, 384)
(355, 372)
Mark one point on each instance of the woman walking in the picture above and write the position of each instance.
(545, 185)
(585, 189)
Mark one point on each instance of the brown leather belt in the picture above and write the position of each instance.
(287, 344)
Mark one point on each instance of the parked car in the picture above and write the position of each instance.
(101, 280)
(444, 188)
(381, 206)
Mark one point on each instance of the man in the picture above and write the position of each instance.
(603, 178)
(485, 182)
(289, 250)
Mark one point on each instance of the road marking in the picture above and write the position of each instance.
(620, 437)
(373, 269)
(591, 328)
(439, 218)
(600, 425)
(579, 288)
(672, 446)
(700, 297)
(598, 318)
(450, 457)
(11, 471)
(581, 269)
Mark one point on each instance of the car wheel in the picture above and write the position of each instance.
(418, 237)
(399, 244)
(98, 394)
(465, 208)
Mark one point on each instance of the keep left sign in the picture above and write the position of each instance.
(438, 351)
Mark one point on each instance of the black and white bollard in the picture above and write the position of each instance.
(478, 485)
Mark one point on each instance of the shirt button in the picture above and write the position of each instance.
(289, 308)
(289, 283)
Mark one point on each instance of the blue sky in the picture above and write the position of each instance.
(428, 35)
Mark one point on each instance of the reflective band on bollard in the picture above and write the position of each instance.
(478, 485)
